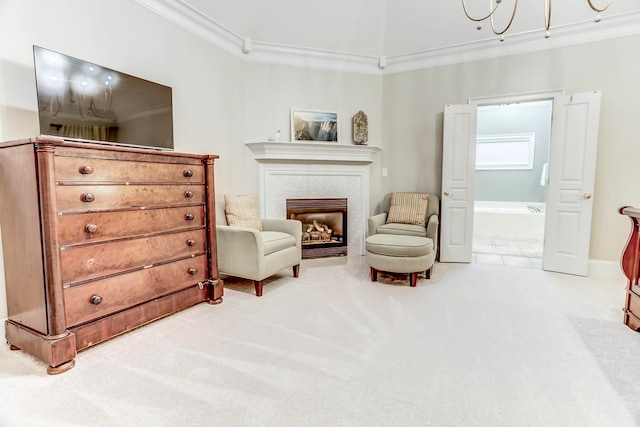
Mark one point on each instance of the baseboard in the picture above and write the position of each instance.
(606, 269)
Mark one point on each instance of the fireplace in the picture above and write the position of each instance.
(324, 226)
(299, 170)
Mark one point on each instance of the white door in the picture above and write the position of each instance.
(458, 179)
(572, 166)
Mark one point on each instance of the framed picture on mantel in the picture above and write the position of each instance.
(315, 126)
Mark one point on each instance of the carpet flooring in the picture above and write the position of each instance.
(476, 345)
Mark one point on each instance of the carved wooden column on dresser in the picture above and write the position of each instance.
(99, 240)
(630, 263)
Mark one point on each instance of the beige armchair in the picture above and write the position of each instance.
(378, 223)
(252, 254)
(404, 238)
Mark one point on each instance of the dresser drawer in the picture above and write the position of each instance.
(77, 169)
(99, 260)
(82, 198)
(98, 226)
(126, 290)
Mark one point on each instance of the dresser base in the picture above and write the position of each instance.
(60, 353)
(57, 352)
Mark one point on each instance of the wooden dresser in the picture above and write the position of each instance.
(98, 240)
(630, 263)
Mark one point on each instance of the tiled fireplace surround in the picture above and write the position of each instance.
(293, 170)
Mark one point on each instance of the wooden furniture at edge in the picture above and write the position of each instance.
(101, 239)
(630, 263)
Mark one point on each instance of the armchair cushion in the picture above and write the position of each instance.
(403, 229)
(242, 211)
(275, 241)
(408, 208)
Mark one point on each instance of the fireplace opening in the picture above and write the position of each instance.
(324, 226)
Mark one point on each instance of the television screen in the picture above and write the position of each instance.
(82, 101)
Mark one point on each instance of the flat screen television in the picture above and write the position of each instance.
(82, 101)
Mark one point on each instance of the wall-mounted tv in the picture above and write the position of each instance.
(83, 101)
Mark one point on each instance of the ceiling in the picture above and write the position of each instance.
(392, 28)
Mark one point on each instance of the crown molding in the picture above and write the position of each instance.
(315, 58)
(243, 47)
(198, 23)
(567, 35)
(214, 32)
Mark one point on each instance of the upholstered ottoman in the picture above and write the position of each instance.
(399, 254)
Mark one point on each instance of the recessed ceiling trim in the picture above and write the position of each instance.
(177, 11)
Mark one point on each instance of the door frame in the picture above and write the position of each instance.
(553, 95)
(516, 97)
(560, 113)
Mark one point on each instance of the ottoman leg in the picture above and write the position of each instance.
(427, 274)
(373, 273)
(413, 278)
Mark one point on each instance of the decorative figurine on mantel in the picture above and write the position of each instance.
(360, 128)
(276, 137)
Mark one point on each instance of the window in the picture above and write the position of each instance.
(505, 152)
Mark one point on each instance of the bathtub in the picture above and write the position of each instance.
(504, 220)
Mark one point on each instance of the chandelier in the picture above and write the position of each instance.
(494, 4)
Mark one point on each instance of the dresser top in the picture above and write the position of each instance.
(102, 146)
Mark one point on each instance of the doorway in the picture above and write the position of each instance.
(571, 178)
(511, 176)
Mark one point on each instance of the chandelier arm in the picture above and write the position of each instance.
(513, 15)
(547, 14)
(58, 106)
(108, 100)
(596, 9)
(491, 12)
(82, 101)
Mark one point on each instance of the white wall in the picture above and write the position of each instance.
(271, 90)
(413, 107)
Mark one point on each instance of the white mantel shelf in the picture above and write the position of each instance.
(313, 151)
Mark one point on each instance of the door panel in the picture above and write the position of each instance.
(572, 164)
(458, 178)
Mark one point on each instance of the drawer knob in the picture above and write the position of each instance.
(95, 300)
(188, 194)
(192, 271)
(91, 228)
(191, 242)
(88, 197)
(188, 173)
(189, 217)
(86, 170)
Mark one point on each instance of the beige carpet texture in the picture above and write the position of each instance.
(477, 345)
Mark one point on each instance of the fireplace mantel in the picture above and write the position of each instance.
(313, 151)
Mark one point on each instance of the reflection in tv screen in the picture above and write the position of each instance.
(79, 100)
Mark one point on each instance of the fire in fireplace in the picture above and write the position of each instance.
(324, 226)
